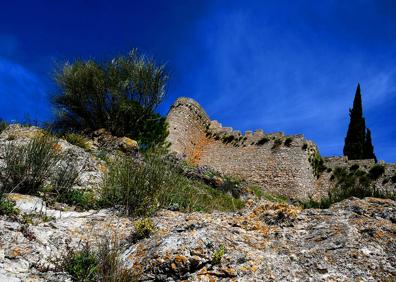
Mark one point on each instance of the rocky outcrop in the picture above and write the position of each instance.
(90, 168)
(355, 240)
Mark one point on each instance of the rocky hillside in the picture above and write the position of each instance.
(265, 239)
(355, 240)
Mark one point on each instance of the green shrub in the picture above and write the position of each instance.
(288, 141)
(277, 143)
(3, 125)
(103, 264)
(323, 203)
(304, 146)
(218, 255)
(349, 184)
(82, 265)
(120, 95)
(317, 164)
(393, 179)
(77, 139)
(232, 185)
(228, 139)
(8, 208)
(354, 167)
(141, 188)
(263, 140)
(143, 228)
(376, 171)
(28, 166)
(84, 200)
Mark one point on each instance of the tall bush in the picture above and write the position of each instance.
(120, 95)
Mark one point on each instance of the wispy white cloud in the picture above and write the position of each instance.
(267, 77)
(22, 93)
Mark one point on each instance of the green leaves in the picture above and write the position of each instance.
(120, 95)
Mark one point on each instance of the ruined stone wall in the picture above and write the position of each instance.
(187, 128)
(279, 164)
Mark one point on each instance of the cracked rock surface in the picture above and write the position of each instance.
(355, 240)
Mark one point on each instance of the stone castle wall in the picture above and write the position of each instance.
(279, 164)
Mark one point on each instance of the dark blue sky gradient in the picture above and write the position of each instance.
(287, 66)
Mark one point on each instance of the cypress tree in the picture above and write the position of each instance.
(368, 149)
(356, 136)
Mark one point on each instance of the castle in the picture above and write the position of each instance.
(286, 165)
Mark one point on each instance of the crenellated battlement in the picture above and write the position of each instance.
(274, 161)
(282, 164)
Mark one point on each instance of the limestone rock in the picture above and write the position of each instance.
(104, 140)
(127, 145)
(353, 241)
(90, 168)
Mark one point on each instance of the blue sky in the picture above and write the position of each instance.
(289, 66)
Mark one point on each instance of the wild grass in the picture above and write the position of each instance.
(140, 188)
(77, 140)
(28, 166)
(102, 263)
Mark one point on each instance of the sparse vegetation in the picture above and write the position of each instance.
(317, 164)
(288, 141)
(84, 200)
(393, 179)
(3, 125)
(65, 178)
(356, 183)
(100, 264)
(218, 255)
(8, 208)
(304, 146)
(77, 139)
(354, 167)
(28, 166)
(228, 138)
(277, 144)
(263, 140)
(141, 188)
(376, 171)
(82, 265)
(259, 193)
(232, 185)
(143, 229)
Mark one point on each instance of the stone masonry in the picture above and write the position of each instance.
(277, 163)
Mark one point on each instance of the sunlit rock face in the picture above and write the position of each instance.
(355, 239)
